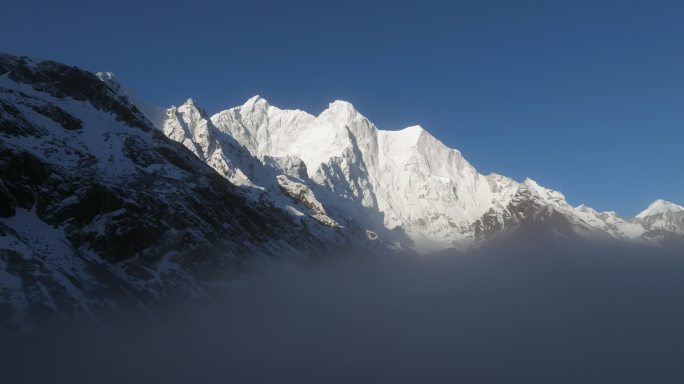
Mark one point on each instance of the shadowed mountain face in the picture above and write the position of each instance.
(106, 201)
(96, 203)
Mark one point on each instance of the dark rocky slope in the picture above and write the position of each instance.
(97, 205)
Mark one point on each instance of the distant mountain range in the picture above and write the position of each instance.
(105, 199)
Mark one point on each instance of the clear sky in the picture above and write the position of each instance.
(586, 97)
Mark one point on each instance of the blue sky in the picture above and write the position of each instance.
(586, 97)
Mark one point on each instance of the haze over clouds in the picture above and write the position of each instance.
(464, 210)
(563, 317)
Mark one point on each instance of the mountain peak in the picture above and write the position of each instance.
(110, 80)
(402, 140)
(587, 209)
(533, 187)
(548, 196)
(659, 206)
(256, 103)
(340, 107)
(341, 104)
(410, 134)
(530, 183)
(191, 105)
(105, 76)
(193, 108)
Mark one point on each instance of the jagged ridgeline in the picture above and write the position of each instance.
(104, 197)
(405, 188)
(97, 204)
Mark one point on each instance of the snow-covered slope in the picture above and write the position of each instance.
(663, 222)
(610, 222)
(98, 207)
(189, 125)
(282, 180)
(406, 181)
(659, 207)
(103, 196)
(402, 181)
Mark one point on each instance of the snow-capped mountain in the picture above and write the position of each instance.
(405, 187)
(100, 208)
(662, 221)
(404, 181)
(103, 196)
(190, 126)
(279, 179)
(659, 207)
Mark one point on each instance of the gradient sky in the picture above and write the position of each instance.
(586, 97)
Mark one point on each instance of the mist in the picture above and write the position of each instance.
(562, 316)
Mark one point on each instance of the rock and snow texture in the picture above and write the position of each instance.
(610, 222)
(104, 196)
(659, 207)
(281, 179)
(97, 205)
(190, 126)
(663, 222)
(406, 186)
(399, 181)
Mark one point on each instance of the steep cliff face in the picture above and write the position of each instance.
(537, 210)
(104, 197)
(405, 185)
(407, 182)
(96, 203)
